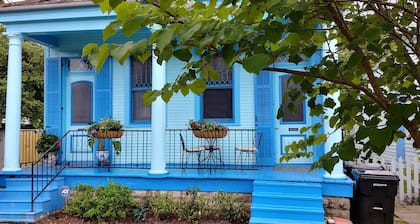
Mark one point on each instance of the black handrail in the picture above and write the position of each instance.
(44, 176)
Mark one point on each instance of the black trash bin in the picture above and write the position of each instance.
(374, 198)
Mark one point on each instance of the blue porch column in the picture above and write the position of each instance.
(335, 136)
(158, 166)
(13, 104)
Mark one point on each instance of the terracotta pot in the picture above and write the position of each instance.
(210, 134)
(108, 134)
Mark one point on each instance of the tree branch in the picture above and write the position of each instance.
(339, 20)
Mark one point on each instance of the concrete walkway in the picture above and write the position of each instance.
(407, 213)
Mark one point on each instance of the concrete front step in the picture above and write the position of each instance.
(287, 202)
(25, 193)
(27, 183)
(286, 199)
(15, 199)
(302, 213)
(20, 216)
(255, 220)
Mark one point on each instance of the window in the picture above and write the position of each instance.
(218, 97)
(81, 102)
(288, 115)
(141, 81)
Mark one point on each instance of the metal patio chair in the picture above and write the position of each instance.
(189, 152)
(248, 152)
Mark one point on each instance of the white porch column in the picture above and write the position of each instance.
(13, 104)
(158, 166)
(334, 137)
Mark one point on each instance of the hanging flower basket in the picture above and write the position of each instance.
(210, 134)
(108, 134)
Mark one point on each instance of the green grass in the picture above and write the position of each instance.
(398, 221)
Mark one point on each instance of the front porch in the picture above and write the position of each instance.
(281, 194)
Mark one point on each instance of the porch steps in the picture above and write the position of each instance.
(286, 202)
(15, 200)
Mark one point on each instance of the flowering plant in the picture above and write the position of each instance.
(103, 126)
(206, 125)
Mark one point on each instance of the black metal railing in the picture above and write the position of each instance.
(44, 170)
(237, 150)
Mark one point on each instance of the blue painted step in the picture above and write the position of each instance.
(15, 200)
(286, 202)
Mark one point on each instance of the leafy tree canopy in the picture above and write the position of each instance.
(376, 73)
(32, 81)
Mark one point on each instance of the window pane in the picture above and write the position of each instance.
(140, 111)
(288, 116)
(225, 76)
(217, 103)
(141, 74)
(141, 81)
(77, 64)
(81, 100)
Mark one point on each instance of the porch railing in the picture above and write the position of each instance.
(45, 170)
(136, 150)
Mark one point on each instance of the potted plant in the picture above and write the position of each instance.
(47, 146)
(208, 129)
(106, 128)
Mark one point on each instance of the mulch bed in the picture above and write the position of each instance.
(62, 218)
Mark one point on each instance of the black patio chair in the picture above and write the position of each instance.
(188, 152)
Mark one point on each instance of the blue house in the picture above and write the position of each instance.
(158, 151)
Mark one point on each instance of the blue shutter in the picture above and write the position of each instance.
(264, 116)
(103, 93)
(52, 96)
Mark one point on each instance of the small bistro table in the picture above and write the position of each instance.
(214, 155)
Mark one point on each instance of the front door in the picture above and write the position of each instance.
(79, 109)
(287, 128)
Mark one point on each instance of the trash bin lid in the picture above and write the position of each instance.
(379, 175)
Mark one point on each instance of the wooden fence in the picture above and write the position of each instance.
(408, 172)
(28, 139)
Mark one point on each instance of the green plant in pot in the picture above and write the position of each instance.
(47, 146)
(106, 128)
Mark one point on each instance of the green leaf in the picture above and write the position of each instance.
(329, 102)
(166, 95)
(102, 56)
(198, 86)
(133, 25)
(114, 3)
(111, 30)
(122, 52)
(150, 96)
(89, 48)
(354, 59)
(183, 54)
(164, 38)
(256, 63)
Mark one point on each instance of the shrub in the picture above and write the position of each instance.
(163, 206)
(193, 206)
(229, 209)
(104, 203)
